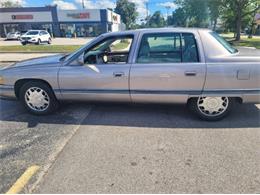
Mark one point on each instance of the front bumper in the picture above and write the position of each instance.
(29, 41)
(7, 92)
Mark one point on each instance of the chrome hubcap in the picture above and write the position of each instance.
(37, 99)
(212, 106)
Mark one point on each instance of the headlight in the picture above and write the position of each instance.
(1, 80)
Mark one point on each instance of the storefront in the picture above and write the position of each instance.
(59, 23)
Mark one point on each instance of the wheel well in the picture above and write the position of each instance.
(18, 84)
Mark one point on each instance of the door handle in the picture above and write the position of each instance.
(190, 73)
(118, 74)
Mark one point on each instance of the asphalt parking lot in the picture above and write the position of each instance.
(123, 148)
(128, 148)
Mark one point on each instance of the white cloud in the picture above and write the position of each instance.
(19, 2)
(64, 5)
(168, 4)
(90, 4)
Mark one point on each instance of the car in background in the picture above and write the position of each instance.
(35, 37)
(13, 36)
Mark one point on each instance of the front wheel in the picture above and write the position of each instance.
(38, 98)
(211, 108)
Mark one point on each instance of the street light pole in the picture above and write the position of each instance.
(83, 6)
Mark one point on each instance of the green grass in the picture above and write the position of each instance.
(40, 48)
(245, 41)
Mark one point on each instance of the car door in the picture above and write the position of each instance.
(168, 67)
(104, 74)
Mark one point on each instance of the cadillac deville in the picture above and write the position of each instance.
(172, 65)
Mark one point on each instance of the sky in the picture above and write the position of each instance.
(153, 5)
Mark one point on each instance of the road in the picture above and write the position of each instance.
(122, 148)
(55, 41)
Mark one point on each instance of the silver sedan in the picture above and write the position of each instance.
(170, 65)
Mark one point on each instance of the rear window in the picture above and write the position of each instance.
(224, 43)
(168, 48)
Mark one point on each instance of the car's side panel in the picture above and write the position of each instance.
(30, 72)
(95, 82)
(168, 82)
(235, 79)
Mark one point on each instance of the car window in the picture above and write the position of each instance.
(189, 48)
(32, 33)
(167, 48)
(160, 48)
(223, 42)
(114, 50)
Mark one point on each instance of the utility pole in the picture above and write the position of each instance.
(146, 10)
(167, 8)
(83, 5)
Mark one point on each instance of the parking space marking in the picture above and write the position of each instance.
(23, 180)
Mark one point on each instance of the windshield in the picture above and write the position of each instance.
(224, 43)
(32, 33)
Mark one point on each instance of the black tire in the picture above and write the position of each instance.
(49, 41)
(53, 102)
(38, 42)
(23, 43)
(193, 106)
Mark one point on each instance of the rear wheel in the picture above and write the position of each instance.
(23, 43)
(38, 98)
(211, 108)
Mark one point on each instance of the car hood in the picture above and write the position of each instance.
(53, 60)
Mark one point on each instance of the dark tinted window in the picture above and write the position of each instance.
(32, 32)
(168, 48)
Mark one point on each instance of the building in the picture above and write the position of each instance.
(59, 23)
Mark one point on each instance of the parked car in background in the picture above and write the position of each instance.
(35, 37)
(170, 65)
(23, 32)
(13, 36)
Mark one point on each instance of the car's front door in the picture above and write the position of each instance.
(167, 68)
(104, 74)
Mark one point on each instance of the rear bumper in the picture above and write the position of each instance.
(7, 92)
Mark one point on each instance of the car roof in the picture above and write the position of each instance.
(151, 30)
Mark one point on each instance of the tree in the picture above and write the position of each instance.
(156, 20)
(196, 11)
(241, 9)
(128, 12)
(8, 3)
(178, 18)
(215, 7)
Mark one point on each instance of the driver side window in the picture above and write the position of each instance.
(113, 50)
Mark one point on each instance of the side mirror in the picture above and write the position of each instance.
(80, 59)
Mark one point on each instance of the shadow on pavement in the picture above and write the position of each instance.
(136, 115)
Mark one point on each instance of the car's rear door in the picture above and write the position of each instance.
(103, 76)
(168, 67)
